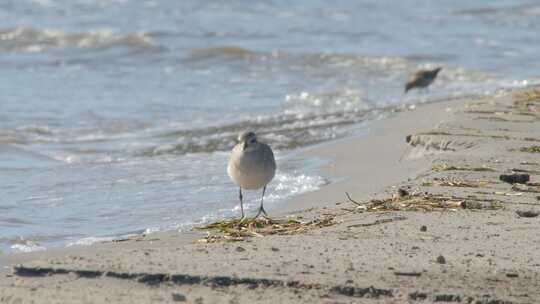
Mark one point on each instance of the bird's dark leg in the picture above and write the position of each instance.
(241, 203)
(261, 209)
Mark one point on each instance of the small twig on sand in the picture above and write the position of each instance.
(351, 200)
(377, 222)
(407, 274)
(522, 213)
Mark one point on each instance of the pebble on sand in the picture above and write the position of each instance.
(527, 213)
(441, 259)
(178, 297)
(515, 178)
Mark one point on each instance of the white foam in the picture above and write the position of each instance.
(29, 247)
(151, 230)
(87, 241)
(292, 184)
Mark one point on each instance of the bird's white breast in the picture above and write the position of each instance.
(252, 169)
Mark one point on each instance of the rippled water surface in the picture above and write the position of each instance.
(117, 116)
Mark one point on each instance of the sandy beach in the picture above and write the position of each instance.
(457, 232)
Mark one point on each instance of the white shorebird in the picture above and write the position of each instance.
(252, 166)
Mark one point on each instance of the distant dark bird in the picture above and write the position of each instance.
(422, 79)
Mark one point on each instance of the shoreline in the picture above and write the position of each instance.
(366, 149)
(294, 204)
(388, 251)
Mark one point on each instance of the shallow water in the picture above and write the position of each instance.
(117, 115)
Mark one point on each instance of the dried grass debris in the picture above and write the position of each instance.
(446, 167)
(454, 182)
(429, 202)
(234, 230)
(529, 187)
(527, 97)
(531, 149)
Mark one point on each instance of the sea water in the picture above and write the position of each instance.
(117, 116)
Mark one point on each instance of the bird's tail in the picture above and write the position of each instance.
(408, 86)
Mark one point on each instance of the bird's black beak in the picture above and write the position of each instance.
(244, 147)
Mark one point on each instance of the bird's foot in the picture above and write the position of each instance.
(263, 212)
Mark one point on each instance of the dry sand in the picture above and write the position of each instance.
(484, 253)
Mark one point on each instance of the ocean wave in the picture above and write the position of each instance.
(311, 59)
(326, 102)
(523, 14)
(26, 134)
(356, 71)
(13, 222)
(26, 244)
(226, 52)
(312, 117)
(27, 248)
(515, 10)
(283, 132)
(292, 184)
(87, 241)
(9, 137)
(27, 39)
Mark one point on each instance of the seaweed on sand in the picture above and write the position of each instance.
(234, 230)
(454, 182)
(527, 96)
(427, 202)
(531, 149)
(518, 170)
(446, 167)
(494, 136)
(527, 213)
(529, 187)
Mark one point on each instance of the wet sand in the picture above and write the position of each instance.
(464, 242)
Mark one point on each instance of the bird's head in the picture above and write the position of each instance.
(247, 139)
